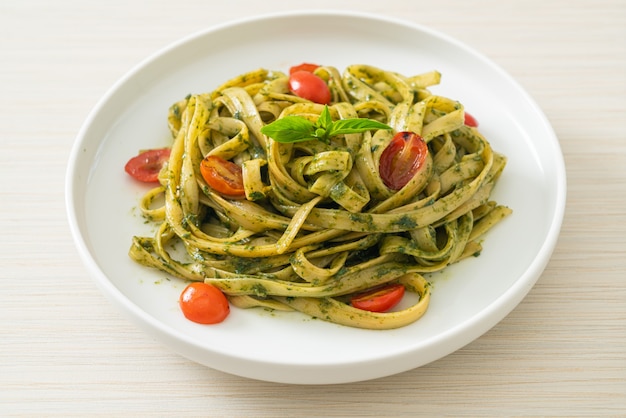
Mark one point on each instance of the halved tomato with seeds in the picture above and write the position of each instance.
(225, 177)
(147, 165)
(379, 299)
(402, 158)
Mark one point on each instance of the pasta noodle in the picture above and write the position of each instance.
(318, 224)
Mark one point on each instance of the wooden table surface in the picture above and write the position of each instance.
(66, 351)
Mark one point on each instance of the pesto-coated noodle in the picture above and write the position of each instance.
(318, 224)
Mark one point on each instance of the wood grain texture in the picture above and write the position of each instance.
(66, 351)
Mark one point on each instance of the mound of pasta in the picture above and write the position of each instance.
(288, 204)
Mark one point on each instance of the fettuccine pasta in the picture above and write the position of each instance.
(317, 223)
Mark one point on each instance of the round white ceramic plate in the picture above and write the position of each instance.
(468, 299)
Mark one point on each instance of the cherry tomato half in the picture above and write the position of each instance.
(204, 303)
(309, 86)
(147, 165)
(305, 66)
(223, 176)
(402, 158)
(380, 299)
(470, 120)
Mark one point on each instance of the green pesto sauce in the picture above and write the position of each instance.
(259, 290)
(146, 245)
(363, 218)
(242, 264)
(256, 196)
(406, 223)
(176, 110)
(325, 305)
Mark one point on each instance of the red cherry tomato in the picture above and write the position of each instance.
(204, 303)
(470, 120)
(402, 158)
(305, 66)
(309, 86)
(380, 299)
(223, 176)
(146, 166)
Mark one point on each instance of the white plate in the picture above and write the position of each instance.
(468, 299)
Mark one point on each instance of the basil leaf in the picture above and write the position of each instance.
(290, 129)
(354, 126)
(324, 121)
(299, 129)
